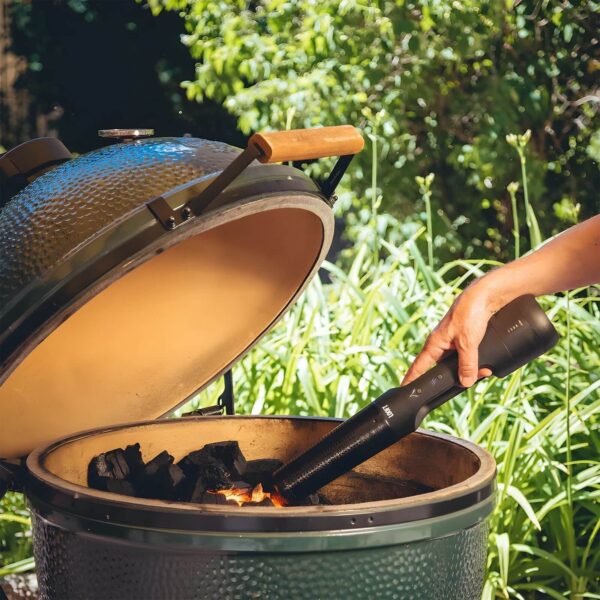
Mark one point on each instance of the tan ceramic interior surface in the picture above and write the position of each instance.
(430, 460)
(149, 340)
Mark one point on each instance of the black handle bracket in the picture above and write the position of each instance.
(340, 167)
(192, 200)
(191, 204)
(225, 401)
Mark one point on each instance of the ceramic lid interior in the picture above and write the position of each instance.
(140, 341)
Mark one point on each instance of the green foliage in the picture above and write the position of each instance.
(15, 535)
(441, 81)
(347, 341)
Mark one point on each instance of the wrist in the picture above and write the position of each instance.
(495, 289)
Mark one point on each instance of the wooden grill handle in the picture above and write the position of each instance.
(307, 144)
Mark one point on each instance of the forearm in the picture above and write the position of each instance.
(570, 260)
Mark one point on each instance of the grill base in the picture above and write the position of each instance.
(72, 566)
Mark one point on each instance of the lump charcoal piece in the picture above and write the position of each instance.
(160, 479)
(98, 473)
(241, 485)
(120, 486)
(108, 465)
(263, 502)
(229, 454)
(118, 462)
(135, 462)
(218, 499)
(175, 474)
(200, 465)
(198, 491)
(165, 483)
(171, 482)
(261, 470)
(313, 500)
(160, 461)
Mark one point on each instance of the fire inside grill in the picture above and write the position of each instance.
(217, 473)
(255, 495)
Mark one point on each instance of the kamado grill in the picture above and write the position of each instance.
(133, 276)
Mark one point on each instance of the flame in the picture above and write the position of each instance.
(244, 495)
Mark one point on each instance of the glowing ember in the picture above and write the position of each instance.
(244, 495)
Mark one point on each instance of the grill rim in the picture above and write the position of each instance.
(77, 500)
(326, 540)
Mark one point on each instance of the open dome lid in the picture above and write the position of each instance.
(152, 308)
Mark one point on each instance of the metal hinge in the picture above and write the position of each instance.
(225, 405)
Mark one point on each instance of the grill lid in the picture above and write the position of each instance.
(133, 276)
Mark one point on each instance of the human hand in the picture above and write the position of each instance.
(461, 329)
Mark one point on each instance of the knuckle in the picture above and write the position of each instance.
(464, 342)
(437, 338)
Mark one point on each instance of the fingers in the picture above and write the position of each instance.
(468, 364)
(433, 350)
(462, 329)
(460, 332)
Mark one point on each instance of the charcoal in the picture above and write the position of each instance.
(197, 492)
(312, 500)
(108, 465)
(159, 462)
(98, 473)
(261, 470)
(229, 454)
(200, 465)
(240, 485)
(121, 486)
(195, 478)
(219, 499)
(135, 462)
(160, 478)
(263, 502)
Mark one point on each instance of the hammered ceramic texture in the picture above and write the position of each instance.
(63, 208)
(73, 566)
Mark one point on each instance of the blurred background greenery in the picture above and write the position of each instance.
(438, 196)
(440, 82)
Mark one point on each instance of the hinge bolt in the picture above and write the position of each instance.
(186, 213)
(171, 222)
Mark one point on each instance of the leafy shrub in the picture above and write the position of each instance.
(15, 535)
(442, 82)
(347, 341)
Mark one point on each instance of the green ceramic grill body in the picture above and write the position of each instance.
(97, 545)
